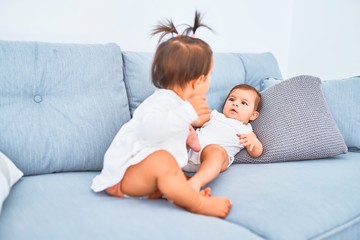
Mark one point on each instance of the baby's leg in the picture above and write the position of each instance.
(116, 192)
(192, 140)
(214, 159)
(160, 172)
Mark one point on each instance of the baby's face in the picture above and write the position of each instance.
(240, 105)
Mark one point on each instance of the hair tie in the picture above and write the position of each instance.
(167, 27)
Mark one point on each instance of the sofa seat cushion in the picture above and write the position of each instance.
(291, 200)
(62, 206)
(296, 200)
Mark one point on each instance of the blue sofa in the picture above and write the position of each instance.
(62, 104)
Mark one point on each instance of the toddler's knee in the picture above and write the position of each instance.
(163, 159)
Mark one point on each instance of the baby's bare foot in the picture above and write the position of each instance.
(206, 192)
(213, 206)
(192, 140)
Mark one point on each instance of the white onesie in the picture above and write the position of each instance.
(218, 130)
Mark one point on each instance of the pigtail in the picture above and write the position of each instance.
(166, 27)
(197, 23)
(181, 58)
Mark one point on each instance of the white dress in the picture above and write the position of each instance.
(160, 122)
(218, 130)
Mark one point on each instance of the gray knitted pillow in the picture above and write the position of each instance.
(295, 124)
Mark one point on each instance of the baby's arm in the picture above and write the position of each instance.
(201, 107)
(201, 120)
(252, 144)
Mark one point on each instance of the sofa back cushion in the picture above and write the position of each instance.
(229, 70)
(137, 75)
(343, 99)
(60, 104)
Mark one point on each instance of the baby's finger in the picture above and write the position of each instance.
(251, 147)
(241, 135)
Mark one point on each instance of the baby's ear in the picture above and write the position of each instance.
(201, 79)
(254, 115)
(198, 81)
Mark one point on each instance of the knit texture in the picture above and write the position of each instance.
(295, 124)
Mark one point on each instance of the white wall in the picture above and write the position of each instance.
(277, 26)
(325, 39)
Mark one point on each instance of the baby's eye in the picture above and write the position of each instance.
(231, 99)
(244, 103)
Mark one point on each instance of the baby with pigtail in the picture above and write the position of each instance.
(146, 157)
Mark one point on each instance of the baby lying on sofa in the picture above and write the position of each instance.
(224, 135)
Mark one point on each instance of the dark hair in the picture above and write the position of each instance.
(250, 88)
(167, 26)
(181, 58)
(197, 24)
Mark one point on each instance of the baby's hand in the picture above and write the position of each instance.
(252, 144)
(200, 105)
(248, 140)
